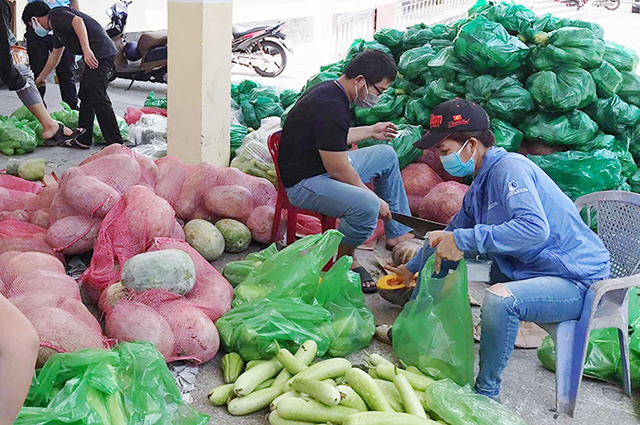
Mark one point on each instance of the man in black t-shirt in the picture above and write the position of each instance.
(81, 35)
(321, 174)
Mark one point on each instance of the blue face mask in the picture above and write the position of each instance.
(453, 164)
(38, 29)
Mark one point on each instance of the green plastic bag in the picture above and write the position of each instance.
(614, 115)
(575, 46)
(414, 63)
(513, 17)
(389, 107)
(402, 86)
(634, 182)
(417, 113)
(23, 114)
(607, 78)
(294, 272)
(122, 126)
(155, 102)
(288, 97)
(488, 48)
(438, 44)
(434, 332)
(623, 58)
(630, 88)
(503, 98)
(573, 128)
(446, 64)
(37, 128)
(618, 145)
(256, 109)
(257, 330)
(67, 116)
(17, 138)
(320, 78)
(402, 144)
(130, 384)
(237, 135)
(392, 38)
(340, 292)
(237, 271)
(462, 406)
(562, 90)
(596, 29)
(507, 136)
(359, 45)
(417, 36)
(580, 173)
(634, 142)
(441, 90)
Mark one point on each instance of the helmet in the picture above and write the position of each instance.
(131, 52)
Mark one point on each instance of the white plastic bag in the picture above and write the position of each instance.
(150, 128)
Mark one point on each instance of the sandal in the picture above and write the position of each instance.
(364, 278)
(59, 138)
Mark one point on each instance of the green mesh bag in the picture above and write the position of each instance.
(607, 78)
(488, 48)
(562, 90)
(503, 98)
(573, 128)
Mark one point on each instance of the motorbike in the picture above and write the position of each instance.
(579, 4)
(262, 48)
(144, 60)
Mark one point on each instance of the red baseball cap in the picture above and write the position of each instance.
(451, 117)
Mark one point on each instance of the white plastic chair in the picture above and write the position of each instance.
(606, 303)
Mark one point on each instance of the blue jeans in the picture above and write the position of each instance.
(358, 208)
(542, 300)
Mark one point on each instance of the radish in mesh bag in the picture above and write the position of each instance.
(190, 203)
(43, 281)
(15, 263)
(171, 174)
(443, 202)
(229, 202)
(73, 235)
(17, 235)
(261, 223)
(11, 200)
(88, 195)
(117, 171)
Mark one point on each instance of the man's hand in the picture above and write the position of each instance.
(384, 131)
(446, 248)
(41, 81)
(90, 59)
(385, 212)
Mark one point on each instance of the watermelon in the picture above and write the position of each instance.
(237, 236)
(205, 238)
(171, 270)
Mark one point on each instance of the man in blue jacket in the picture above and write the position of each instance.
(517, 216)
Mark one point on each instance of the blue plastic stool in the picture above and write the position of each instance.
(606, 303)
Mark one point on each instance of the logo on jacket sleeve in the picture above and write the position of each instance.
(515, 189)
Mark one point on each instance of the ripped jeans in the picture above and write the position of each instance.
(541, 300)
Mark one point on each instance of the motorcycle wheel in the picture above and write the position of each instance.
(275, 50)
(611, 4)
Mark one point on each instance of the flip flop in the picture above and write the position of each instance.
(72, 142)
(59, 138)
(366, 277)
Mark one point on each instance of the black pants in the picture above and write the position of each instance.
(94, 101)
(8, 72)
(39, 49)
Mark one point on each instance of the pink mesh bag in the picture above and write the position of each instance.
(22, 185)
(128, 229)
(21, 236)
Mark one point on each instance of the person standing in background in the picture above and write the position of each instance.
(39, 49)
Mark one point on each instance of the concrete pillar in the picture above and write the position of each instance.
(323, 12)
(386, 16)
(199, 80)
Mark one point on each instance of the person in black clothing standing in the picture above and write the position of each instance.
(39, 48)
(81, 35)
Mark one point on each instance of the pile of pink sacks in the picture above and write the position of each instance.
(37, 284)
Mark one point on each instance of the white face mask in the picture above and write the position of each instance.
(38, 29)
(370, 100)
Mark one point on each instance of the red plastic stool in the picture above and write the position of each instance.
(282, 203)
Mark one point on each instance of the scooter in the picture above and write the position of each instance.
(145, 60)
(579, 4)
(262, 48)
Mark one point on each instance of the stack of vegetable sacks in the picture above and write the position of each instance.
(170, 296)
(37, 284)
(298, 390)
(552, 88)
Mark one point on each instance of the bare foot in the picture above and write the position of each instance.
(396, 241)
